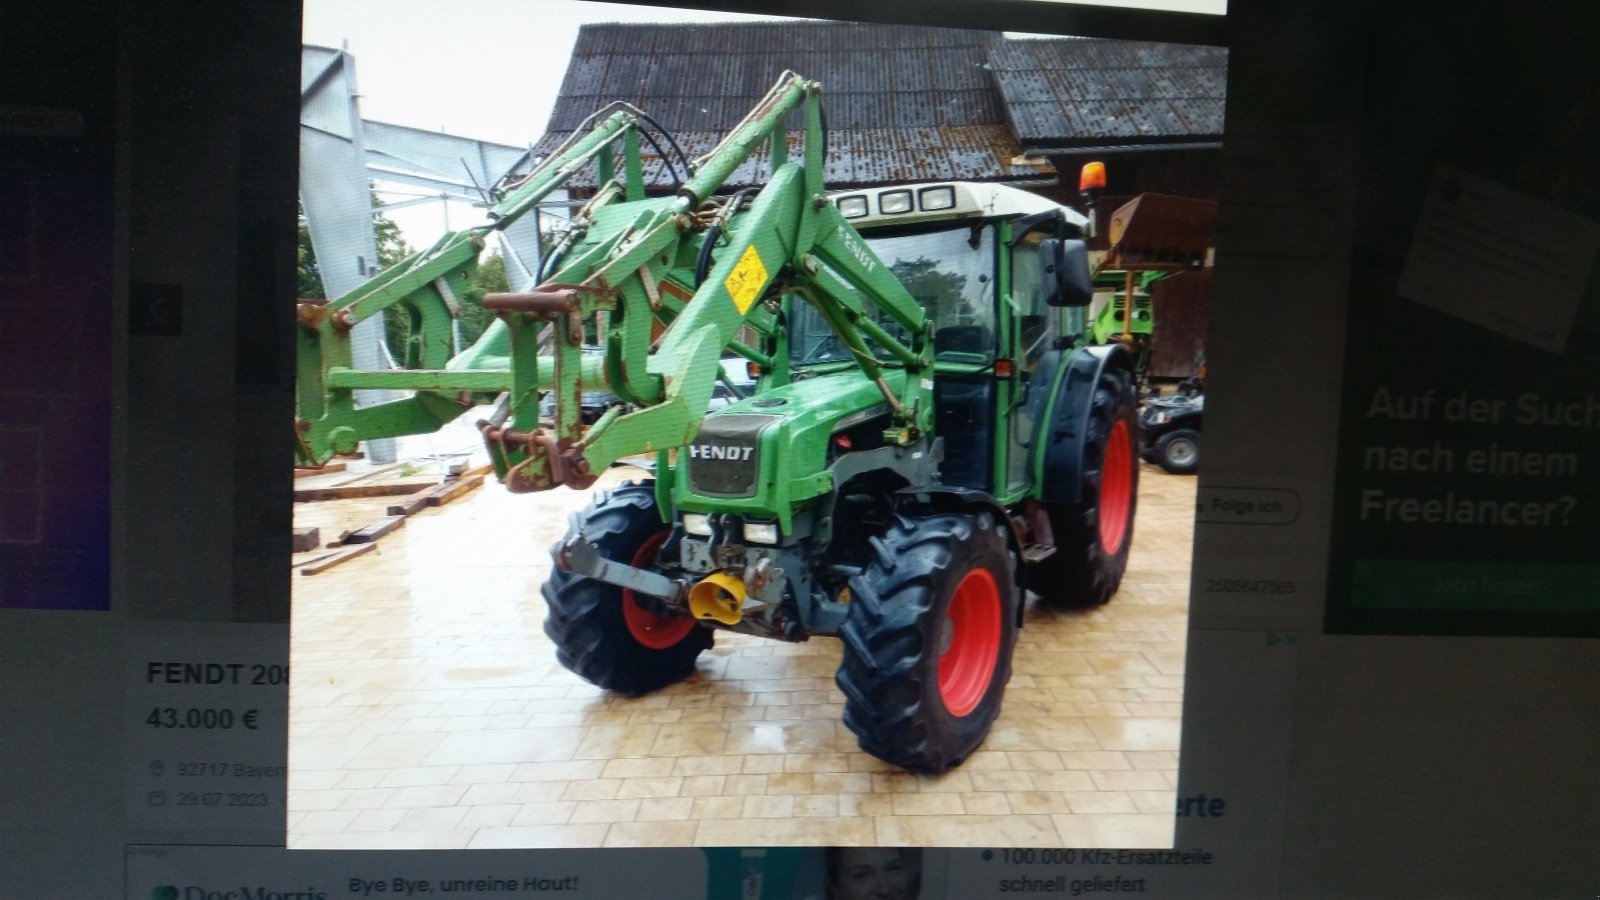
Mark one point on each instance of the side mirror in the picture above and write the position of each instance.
(1066, 272)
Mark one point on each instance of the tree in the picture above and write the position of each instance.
(308, 278)
(939, 292)
(392, 248)
(490, 278)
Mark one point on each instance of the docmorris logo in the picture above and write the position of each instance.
(197, 892)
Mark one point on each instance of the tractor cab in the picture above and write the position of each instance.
(987, 264)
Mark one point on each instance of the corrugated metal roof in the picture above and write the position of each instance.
(860, 156)
(1078, 92)
(706, 77)
(902, 102)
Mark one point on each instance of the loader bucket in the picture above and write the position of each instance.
(1155, 231)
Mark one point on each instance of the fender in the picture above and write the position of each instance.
(1059, 450)
(951, 499)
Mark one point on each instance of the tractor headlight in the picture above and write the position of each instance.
(937, 198)
(853, 207)
(1157, 418)
(891, 202)
(761, 532)
(697, 524)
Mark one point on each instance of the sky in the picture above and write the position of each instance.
(489, 69)
(484, 69)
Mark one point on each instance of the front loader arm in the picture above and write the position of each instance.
(635, 260)
(686, 362)
(668, 325)
(423, 288)
(663, 285)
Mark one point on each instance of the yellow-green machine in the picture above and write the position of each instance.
(930, 435)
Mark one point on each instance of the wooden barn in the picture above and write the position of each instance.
(909, 104)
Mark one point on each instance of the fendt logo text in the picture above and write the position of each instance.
(196, 892)
(714, 451)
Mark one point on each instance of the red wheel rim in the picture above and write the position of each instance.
(653, 631)
(1116, 488)
(972, 643)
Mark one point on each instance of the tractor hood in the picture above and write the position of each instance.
(765, 454)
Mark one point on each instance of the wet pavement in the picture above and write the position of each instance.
(428, 710)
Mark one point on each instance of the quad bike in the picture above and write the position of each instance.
(1171, 432)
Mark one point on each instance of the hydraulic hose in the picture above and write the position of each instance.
(702, 263)
(666, 163)
(683, 160)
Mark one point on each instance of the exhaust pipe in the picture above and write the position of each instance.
(718, 596)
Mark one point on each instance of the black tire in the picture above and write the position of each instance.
(896, 632)
(587, 622)
(1178, 451)
(1092, 542)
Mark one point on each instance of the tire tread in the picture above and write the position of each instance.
(585, 619)
(889, 703)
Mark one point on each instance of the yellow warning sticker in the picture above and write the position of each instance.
(745, 282)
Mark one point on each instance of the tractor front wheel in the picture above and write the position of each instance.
(928, 640)
(604, 633)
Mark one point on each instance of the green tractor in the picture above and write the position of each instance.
(930, 434)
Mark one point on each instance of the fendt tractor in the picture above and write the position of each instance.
(929, 436)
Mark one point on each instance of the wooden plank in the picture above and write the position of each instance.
(444, 492)
(450, 490)
(306, 539)
(356, 491)
(334, 559)
(311, 472)
(462, 470)
(315, 559)
(411, 507)
(376, 530)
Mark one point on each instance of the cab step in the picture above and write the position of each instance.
(1034, 553)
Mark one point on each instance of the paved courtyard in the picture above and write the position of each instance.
(428, 710)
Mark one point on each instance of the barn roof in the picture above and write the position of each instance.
(902, 103)
(1073, 92)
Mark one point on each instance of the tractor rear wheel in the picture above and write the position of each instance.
(928, 640)
(1092, 536)
(604, 633)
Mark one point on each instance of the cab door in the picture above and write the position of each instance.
(951, 272)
